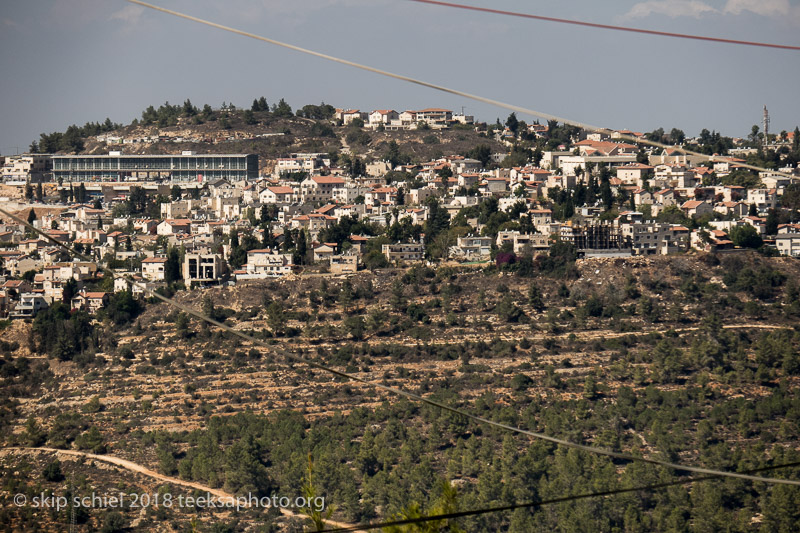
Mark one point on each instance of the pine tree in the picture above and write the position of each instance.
(288, 242)
(172, 268)
(301, 249)
(535, 297)
(346, 295)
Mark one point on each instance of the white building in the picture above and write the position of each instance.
(277, 195)
(266, 263)
(153, 268)
(522, 242)
(472, 248)
(403, 252)
(788, 244)
(26, 167)
(319, 188)
(382, 117)
(202, 268)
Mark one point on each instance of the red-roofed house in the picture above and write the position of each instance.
(633, 173)
(277, 195)
(319, 188)
(434, 116)
(91, 302)
(153, 268)
(172, 226)
(381, 194)
(382, 117)
(312, 222)
(696, 208)
(665, 197)
(737, 209)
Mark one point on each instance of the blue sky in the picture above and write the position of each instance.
(73, 61)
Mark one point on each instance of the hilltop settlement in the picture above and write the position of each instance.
(188, 198)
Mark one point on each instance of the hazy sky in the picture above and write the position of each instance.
(73, 61)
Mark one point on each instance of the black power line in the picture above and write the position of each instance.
(400, 392)
(540, 503)
(478, 98)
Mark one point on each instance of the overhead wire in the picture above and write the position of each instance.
(608, 26)
(456, 92)
(393, 390)
(714, 473)
(540, 503)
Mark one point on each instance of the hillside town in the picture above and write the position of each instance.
(192, 220)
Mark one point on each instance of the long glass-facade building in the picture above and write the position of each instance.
(186, 167)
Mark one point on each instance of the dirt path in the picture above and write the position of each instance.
(133, 467)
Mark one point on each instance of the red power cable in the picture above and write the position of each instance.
(608, 26)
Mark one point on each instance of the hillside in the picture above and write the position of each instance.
(272, 135)
(691, 359)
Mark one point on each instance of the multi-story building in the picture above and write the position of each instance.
(266, 263)
(434, 116)
(382, 117)
(344, 264)
(176, 209)
(153, 268)
(763, 199)
(348, 193)
(185, 167)
(26, 167)
(301, 163)
(403, 252)
(472, 247)
(277, 195)
(646, 238)
(521, 242)
(91, 302)
(202, 268)
(633, 173)
(29, 305)
(788, 244)
(319, 188)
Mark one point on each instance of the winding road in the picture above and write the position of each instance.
(139, 469)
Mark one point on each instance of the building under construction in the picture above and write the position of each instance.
(597, 239)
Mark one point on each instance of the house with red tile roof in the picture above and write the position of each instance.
(736, 209)
(633, 173)
(153, 268)
(172, 226)
(696, 208)
(91, 302)
(382, 117)
(277, 195)
(319, 188)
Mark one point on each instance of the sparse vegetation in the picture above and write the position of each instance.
(619, 353)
